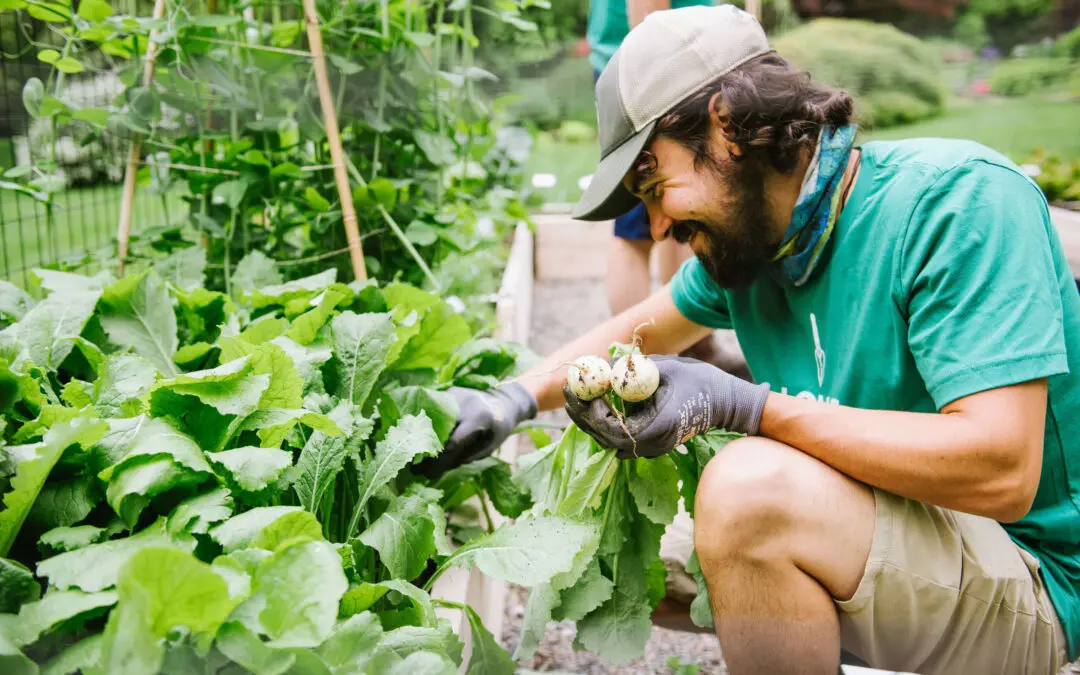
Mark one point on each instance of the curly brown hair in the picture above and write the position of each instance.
(770, 109)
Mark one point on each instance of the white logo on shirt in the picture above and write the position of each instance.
(819, 353)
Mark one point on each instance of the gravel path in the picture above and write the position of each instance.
(562, 310)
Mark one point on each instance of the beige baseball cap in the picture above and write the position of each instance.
(663, 60)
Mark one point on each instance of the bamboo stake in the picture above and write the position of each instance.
(754, 7)
(124, 229)
(326, 100)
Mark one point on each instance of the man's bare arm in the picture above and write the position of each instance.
(670, 333)
(982, 454)
(636, 10)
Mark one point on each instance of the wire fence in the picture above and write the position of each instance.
(80, 232)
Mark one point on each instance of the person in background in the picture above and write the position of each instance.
(628, 275)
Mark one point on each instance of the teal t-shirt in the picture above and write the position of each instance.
(609, 23)
(944, 277)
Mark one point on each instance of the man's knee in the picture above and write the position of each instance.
(754, 491)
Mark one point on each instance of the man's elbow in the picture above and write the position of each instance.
(1014, 489)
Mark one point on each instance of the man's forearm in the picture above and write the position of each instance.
(952, 459)
(668, 333)
(636, 10)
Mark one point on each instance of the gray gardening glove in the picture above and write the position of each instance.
(485, 420)
(692, 398)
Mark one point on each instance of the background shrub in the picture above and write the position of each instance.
(1020, 77)
(894, 77)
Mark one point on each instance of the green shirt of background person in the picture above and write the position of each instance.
(611, 20)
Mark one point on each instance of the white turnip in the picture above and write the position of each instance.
(589, 377)
(635, 377)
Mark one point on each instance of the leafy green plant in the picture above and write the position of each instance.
(201, 482)
(1058, 178)
(231, 122)
(1020, 77)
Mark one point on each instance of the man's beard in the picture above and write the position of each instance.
(740, 248)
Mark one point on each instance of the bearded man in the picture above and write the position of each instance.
(908, 485)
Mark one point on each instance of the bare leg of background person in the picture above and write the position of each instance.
(628, 279)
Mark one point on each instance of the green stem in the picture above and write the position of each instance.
(228, 248)
(449, 603)
(378, 134)
(487, 513)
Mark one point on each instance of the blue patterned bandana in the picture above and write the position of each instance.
(816, 211)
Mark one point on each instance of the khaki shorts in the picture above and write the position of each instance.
(943, 592)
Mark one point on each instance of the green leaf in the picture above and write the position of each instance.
(655, 488)
(352, 644)
(295, 595)
(155, 438)
(527, 552)
(17, 586)
(56, 609)
(700, 610)
(68, 65)
(96, 116)
(13, 661)
(126, 378)
(255, 269)
(305, 328)
(419, 663)
(284, 33)
(96, 567)
(321, 460)
(76, 393)
(283, 294)
(62, 539)
(440, 406)
(137, 312)
(12, 4)
(274, 424)
(231, 389)
(344, 65)
(161, 590)
(285, 389)
(404, 533)
(45, 333)
(506, 497)
(243, 530)
(440, 150)
(95, 10)
(488, 657)
(48, 56)
(132, 488)
(53, 12)
(14, 302)
(618, 630)
(543, 600)
(243, 646)
(252, 469)
(215, 20)
(82, 657)
(591, 590)
(410, 439)
(402, 643)
(359, 598)
(587, 486)
(30, 474)
(183, 268)
(441, 332)
(49, 416)
(65, 503)
(231, 192)
(33, 94)
(197, 513)
(362, 343)
(316, 200)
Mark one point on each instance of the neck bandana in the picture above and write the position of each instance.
(816, 210)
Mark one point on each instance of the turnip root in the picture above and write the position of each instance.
(635, 377)
(589, 377)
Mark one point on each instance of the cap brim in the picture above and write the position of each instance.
(606, 197)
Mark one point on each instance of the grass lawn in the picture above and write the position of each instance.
(84, 221)
(1015, 127)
